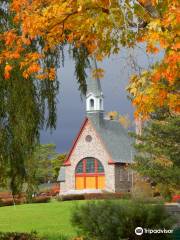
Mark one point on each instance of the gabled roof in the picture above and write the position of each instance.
(67, 162)
(114, 137)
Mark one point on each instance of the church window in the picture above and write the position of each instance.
(90, 165)
(101, 104)
(91, 103)
(79, 168)
(89, 174)
(88, 138)
(100, 167)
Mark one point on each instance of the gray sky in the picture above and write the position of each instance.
(71, 109)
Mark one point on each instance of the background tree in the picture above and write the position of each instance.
(43, 167)
(158, 151)
(48, 163)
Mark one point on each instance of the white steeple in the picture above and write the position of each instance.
(94, 95)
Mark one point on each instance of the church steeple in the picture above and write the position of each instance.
(94, 95)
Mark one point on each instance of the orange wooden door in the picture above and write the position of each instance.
(101, 182)
(90, 182)
(79, 183)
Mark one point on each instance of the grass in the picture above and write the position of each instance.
(48, 219)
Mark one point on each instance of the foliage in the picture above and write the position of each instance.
(47, 163)
(98, 28)
(22, 106)
(123, 119)
(157, 155)
(41, 199)
(159, 87)
(19, 236)
(43, 167)
(33, 33)
(106, 220)
(90, 196)
(141, 189)
(26, 107)
(30, 236)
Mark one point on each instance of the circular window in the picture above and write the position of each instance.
(88, 138)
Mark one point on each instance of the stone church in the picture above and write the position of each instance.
(101, 153)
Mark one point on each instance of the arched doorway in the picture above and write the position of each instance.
(89, 174)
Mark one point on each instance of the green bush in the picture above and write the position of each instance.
(41, 199)
(19, 236)
(94, 196)
(30, 236)
(115, 220)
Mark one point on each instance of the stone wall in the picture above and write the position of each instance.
(123, 178)
(95, 148)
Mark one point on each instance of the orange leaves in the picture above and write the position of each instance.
(17, 5)
(7, 71)
(52, 74)
(33, 68)
(160, 88)
(113, 115)
(82, 22)
(10, 37)
(152, 49)
(98, 73)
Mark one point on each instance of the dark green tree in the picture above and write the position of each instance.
(158, 153)
(47, 163)
(26, 106)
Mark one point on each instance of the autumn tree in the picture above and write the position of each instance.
(102, 28)
(34, 31)
(22, 108)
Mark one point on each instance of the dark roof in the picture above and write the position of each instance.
(94, 87)
(114, 136)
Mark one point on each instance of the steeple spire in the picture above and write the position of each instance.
(94, 95)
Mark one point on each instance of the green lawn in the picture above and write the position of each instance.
(50, 219)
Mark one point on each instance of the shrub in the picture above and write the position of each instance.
(107, 195)
(10, 201)
(142, 189)
(41, 199)
(90, 196)
(114, 220)
(71, 197)
(19, 236)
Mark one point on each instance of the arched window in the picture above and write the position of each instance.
(89, 174)
(100, 103)
(89, 165)
(91, 103)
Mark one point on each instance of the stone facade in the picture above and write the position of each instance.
(123, 178)
(83, 149)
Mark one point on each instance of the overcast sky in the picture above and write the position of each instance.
(71, 109)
